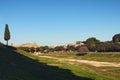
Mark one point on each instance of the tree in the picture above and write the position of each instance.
(59, 48)
(116, 38)
(101, 47)
(91, 43)
(71, 48)
(44, 49)
(7, 34)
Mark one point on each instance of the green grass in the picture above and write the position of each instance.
(83, 70)
(103, 57)
(107, 57)
(97, 73)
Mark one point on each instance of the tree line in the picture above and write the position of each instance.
(57, 49)
(91, 44)
(94, 44)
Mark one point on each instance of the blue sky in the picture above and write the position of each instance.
(57, 22)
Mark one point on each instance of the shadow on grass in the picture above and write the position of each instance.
(14, 66)
(81, 54)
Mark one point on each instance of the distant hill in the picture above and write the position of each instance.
(29, 45)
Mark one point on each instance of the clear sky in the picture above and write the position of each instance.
(56, 22)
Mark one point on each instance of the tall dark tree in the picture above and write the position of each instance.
(6, 33)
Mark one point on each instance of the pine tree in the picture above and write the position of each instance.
(7, 34)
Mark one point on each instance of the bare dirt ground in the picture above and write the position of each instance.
(92, 63)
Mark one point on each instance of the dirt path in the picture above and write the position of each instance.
(92, 63)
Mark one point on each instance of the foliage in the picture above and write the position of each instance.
(108, 47)
(91, 43)
(6, 33)
(116, 38)
(59, 48)
(44, 49)
(71, 48)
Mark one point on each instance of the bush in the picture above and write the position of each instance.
(83, 49)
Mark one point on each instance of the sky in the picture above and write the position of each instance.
(59, 22)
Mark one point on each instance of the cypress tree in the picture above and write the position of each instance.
(6, 33)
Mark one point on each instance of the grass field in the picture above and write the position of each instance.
(102, 57)
(19, 65)
(97, 73)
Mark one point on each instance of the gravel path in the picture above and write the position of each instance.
(92, 63)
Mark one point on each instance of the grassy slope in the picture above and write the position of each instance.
(17, 65)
